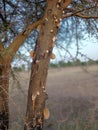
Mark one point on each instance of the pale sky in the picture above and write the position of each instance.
(88, 48)
(91, 50)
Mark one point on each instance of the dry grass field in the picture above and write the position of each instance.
(73, 99)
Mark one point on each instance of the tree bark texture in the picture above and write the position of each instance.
(42, 53)
(6, 56)
(4, 98)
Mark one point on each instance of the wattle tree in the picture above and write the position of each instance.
(17, 20)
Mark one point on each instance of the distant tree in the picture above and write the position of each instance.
(17, 20)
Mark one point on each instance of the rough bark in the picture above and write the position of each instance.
(43, 50)
(19, 40)
(4, 99)
(6, 56)
(37, 87)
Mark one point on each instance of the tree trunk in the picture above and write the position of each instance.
(6, 56)
(4, 96)
(42, 53)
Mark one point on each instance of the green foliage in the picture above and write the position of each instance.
(53, 65)
(73, 63)
(18, 69)
(69, 63)
(96, 61)
(83, 63)
(62, 63)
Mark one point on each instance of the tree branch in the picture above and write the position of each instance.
(11, 4)
(1, 49)
(79, 14)
(2, 18)
(19, 40)
(1, 45)
(86, 16)
(66, 3)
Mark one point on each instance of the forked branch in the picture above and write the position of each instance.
(19, 40)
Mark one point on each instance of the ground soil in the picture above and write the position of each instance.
(73, 98)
